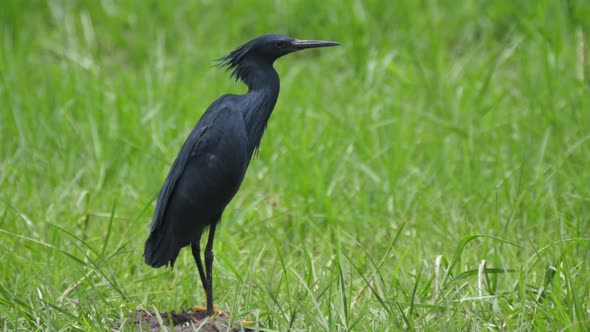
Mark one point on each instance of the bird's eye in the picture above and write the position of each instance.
(280, 44)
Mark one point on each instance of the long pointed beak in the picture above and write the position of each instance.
(302, 44)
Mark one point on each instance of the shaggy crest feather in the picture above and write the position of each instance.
(233, 59)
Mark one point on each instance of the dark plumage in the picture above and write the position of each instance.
(212, 162)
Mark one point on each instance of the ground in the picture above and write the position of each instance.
(146, 320)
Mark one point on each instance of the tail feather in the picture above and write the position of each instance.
(160, 250)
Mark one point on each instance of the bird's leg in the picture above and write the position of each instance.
(196, 249)
(209, 269)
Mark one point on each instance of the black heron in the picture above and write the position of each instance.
(211, 164)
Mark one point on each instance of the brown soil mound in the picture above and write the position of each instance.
(146, 320)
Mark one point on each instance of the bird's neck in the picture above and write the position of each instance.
(259, 76)
(263, 91)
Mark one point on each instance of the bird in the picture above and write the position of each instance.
(212, 162)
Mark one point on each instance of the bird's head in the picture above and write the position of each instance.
(266, 49)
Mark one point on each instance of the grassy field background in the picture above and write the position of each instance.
(431, 173)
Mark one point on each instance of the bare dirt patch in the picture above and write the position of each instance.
(146, 320)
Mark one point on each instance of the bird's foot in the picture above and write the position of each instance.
(217, 313)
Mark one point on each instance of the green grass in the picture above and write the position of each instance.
(431, 173)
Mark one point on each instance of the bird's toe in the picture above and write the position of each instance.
(217, 312)
(198, 308)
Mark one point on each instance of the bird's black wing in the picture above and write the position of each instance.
(175, 173)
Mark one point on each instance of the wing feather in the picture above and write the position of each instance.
(192, 143)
